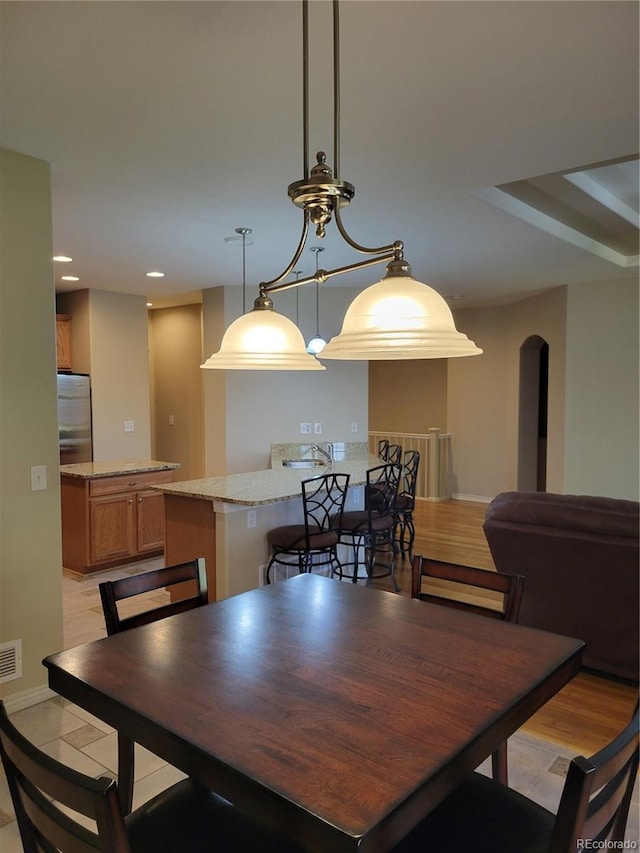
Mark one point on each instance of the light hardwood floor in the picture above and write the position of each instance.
(588, 712)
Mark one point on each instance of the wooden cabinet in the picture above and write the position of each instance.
(63, 341)
(111, 520)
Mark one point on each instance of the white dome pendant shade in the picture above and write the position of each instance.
(398, 318)
(261, 339)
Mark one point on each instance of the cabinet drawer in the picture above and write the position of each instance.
(128, 482)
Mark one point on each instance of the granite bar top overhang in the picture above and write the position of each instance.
(95, 470)
(264, 487)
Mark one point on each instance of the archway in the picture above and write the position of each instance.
(532, 415)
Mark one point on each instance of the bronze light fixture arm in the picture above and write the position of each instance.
(322, 275)
(270, 285)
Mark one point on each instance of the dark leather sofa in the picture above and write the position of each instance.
(579, 556)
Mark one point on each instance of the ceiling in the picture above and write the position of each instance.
(170, 124)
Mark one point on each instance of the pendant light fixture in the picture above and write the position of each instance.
(242, 233)
(317, 343)
(396, 318)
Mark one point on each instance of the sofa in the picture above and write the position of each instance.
(579, 557)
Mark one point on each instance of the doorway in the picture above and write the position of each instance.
(532, 415)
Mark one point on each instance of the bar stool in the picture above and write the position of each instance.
(315, 541)
(373, 528)
(389, 452)
(406, 503)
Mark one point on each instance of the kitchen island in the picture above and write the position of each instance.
(226, 519)
(110, 513)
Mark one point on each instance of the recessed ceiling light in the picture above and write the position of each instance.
(69, 278)
(63, 259)
(149, 304)
(155, 274)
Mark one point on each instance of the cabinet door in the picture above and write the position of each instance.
(150, 520)
(63, 341)
(112, 530)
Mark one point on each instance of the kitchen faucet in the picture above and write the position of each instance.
(328, 453)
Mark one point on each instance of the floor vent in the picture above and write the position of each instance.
(10, 660)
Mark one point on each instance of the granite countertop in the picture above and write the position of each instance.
(264, 487)
(94, 470)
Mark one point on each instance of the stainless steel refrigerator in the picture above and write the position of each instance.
(74, 418)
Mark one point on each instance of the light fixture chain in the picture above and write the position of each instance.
(336, 91)
(316, 250)
(305, 89)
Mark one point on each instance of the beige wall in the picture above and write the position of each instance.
(175, 356)
(119, 375)
(30, 543)
(261, 407)
(109, 340)
(214, 383)
(602, 441)
(408, 396)
(483, 394)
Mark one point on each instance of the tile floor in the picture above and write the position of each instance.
(78, 739)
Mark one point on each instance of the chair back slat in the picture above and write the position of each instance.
(411, 463)
(597, 794)
(111, 592)
(40, 785)
(510, 587)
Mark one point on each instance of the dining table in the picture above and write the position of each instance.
(336, 714)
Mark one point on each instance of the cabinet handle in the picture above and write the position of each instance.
(133, 482)
(139, 500)
(130, 500)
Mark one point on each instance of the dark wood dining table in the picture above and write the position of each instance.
(337, 714)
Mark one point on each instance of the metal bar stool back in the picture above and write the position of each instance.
(314, 542)
(372, 529)
(405, 533)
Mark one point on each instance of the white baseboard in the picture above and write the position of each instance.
(480, 499)
(18, 701)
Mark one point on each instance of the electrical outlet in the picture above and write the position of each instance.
(354, 426)
(317, 428)
(38, 477)
(305, 429)
(251, 518)
(129, 426)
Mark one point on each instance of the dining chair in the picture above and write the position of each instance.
(406, 502)
(185, 818)
(460, 580)
(112, 592)
(372, 529)
(314, 542)
(485, 817)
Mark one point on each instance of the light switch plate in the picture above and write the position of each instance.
(129, 426)
(38, 477)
